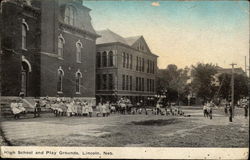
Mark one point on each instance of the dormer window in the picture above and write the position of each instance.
(70, 15)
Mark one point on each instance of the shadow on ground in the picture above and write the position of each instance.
(158, 122)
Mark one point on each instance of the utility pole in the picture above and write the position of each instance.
(246, 65)
(249, 79)
(232, 93)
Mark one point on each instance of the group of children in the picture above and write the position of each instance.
(207, 110)
(72, 107)
(104, 109)
(167, 110)
(77, 107)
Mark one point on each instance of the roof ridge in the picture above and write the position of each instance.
(110, 36)
(134, 36)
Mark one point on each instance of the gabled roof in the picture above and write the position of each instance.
(107, 36)
(132, 40)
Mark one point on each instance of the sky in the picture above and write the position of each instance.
(181, 32)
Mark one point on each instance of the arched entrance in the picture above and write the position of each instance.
(25, 70)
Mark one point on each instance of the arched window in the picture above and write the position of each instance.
(78, 52)
(70, 15)
(60, 47)
(104, 59)
(24, 35)
(78, 81)
(98, 59)
(60, 80)
(111, 62)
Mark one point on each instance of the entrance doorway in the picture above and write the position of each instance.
(24, 78)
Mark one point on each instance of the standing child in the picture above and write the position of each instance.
(90, 110)
(37, 109)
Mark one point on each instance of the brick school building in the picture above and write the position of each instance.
(48, 48)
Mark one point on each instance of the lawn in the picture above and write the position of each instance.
(131, 131)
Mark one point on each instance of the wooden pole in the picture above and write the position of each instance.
(246, 65)
(232, 86)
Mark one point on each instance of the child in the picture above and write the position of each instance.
(98, 109)
(90, 110)
(37, 109)
(15, 110)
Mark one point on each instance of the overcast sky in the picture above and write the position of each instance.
(181, 32)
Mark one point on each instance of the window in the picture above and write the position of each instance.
(142, 84)
(24, 36)
(60, 80)
(148, 85)
(153, 85)
(110, 79)
(128, 61)
(98, 82)
(130, 84)
(142, 48)
(124, 60)
(153, 67)
(111, 63)
(78, 81)
(123, 82)
(127, 82)
(78, 52)
(137, 59)
(104, 82)
(60, 47)
(70, 15)
(104, 59)
(148, 67)
(98, 59)
(139, 81)
(136, 86)
(131, 62)
(142, 64)
(139, 63)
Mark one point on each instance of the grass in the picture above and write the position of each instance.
(144, 131)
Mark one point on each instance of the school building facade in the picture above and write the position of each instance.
(48, 48)
(125, 67)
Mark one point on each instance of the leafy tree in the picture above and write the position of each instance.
(240, 86)
(203, 81)
(173, 80)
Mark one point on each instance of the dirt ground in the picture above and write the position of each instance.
(129, 130)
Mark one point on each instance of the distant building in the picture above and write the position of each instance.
(48, 49)
(221, 70)
(238, 70)
(125, 67)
